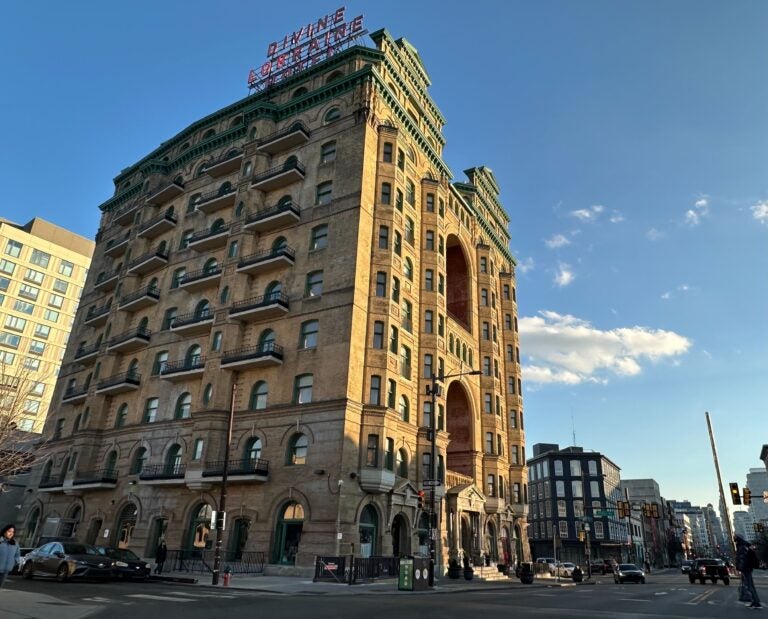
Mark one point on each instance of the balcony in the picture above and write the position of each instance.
(98, 316)
(52, 484)
(194, 322)
(119, 383)
(219, 199)
(199, 280)
(163, 474)
(125, 215)
(144, 297)
(208, 239)
(245, 470)
(265, 355)
(107, 281)
(166, 193)
(225, 165)
(130, 340)
(453, 479)
(94, 480)
(281, 176)
(116, 247)
(284, 139)
(266, 260)
(275, 218)
(75, 394)
(87, 354)
(183, 369)
(376, 481)
(148, 262)
(157, 225)
(259, 308)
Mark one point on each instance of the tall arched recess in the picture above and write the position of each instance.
(459, 424)
(457, 293)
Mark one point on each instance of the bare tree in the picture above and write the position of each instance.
(18, 449)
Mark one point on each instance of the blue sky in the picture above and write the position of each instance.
(628, 139)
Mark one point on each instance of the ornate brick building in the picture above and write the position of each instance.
(302, 257)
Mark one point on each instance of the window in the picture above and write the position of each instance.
(259, 393)
(66, 268)
(139, 460)
(36, 348)
(391, 393)
(168, 317)
(178, 275)
(486, 366)
(332, 115)
(575, 468)
(428, 321)
(216, 341)
(430, 240)
(314, 284)
(308, 337)
(487, 403)
(372, 450)
(7, 267)
(599, 531)
(36, 277)
(37, 389)
(483, 264)
(393, 339)
(383, 237)
(441, 245)
(430, 205)
(429, 280)
(297, 449)
(404, 408)
(426, 415)
(150, 410)
(386, 156)
(395, 289)
(513, 419)
(399, 200)
(328, 152)
(40, 258)
(185, 238)
(381, 284)
(9, 339)
(378, 334)
(489, 442)
(428, 366)
(563, 525)
(515, 454)
(197, 451)
(207, 394)
(558, 468)
(15, 323)
(405, 362)
(386, 193)
(183, 409)
(484, 297)
(375, 392)
(253, 449)
(50, 315)
(505, 292)
(13, 248)
(441, 325)
(400, 159)
(233, 248)
(29, 363)
(59, 285)
(4, 283)
(592, 464)
(31, 406)
(410, 192)
(319, 239)
(56, 300)
(409, 231)
(397, 246)
(302, 390)
(324, 193)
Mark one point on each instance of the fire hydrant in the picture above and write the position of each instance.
(227, 577)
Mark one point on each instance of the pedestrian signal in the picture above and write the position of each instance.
(735, 495)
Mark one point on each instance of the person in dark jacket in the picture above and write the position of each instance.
(161, 552)
(10, 553)
(746, 562)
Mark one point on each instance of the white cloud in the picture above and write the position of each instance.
(701, 203)
(557, 240)
(700, 210)
(654, 234)
(525, 265)
(684, 288)
(616, 217)
(760, 211)
(564, 275)
(692, 218)
(667, 295)
(588, 214)
(565, 349)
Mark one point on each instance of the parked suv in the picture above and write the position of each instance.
(549, 562)
(603, 566)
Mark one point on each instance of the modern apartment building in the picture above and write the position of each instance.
(757, 482)
(303, 260)
(573, 507)
(42, 272)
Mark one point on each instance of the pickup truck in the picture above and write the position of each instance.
(709, 569)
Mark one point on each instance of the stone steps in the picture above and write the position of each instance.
(489, 573)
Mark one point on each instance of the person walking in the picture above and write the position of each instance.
(746, 562)
(10, 553)
(161, 552)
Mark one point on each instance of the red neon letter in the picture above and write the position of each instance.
(271, 49)
(338, 16)
(356, 24)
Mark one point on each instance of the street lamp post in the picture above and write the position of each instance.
(434, 390)
(221, 513)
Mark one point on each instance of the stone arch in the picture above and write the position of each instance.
(460, 425)
(458, 290)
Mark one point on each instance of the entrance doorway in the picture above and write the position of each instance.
(198, 536)
(125, 524)
(369, 525)
(288, 534)
(400, 537)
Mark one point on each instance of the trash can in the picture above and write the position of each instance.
(420, 574)
(405, 576)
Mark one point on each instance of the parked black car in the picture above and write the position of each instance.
(709, 569)
(685, 567)
(126, 563)
(67, 560)
(628, 572)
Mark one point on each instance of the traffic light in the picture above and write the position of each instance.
(420, 500)
(735, 495)
(747, 496)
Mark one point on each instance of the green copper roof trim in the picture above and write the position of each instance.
(122, 197)
(503, 248)
(484, 178)
(491, 208)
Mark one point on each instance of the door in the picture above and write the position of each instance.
(288, 534)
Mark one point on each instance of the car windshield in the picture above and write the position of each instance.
(79, 549)
(120, 553)
(687, 562)
(626, 567)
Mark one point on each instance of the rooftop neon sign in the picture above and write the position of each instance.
(305, 47)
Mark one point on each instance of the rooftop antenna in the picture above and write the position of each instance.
(573, 429)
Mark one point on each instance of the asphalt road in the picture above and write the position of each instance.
(668, 596)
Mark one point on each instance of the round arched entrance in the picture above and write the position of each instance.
(288, 533)
(124, 526)
(369, 531)
(199, 532)
(400, 536)
(460, 455)
(491, 542)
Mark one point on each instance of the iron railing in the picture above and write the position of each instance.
(163, 471)
(148, 291)
(133, 378)
(95, 312)
(208, 232)
(105, 475)
(200, 274)
(291, 164)
(52, 482)
(193, 317)
(82, 351)
(168, 215)
(246, 466)
(295, 127)
(201, 561)
(218, 193)
(182, 365)
(155, 253)
(138, 333)
(260, 301)
(266, 254)
(268, 349)
(275, 210)
(75, 391)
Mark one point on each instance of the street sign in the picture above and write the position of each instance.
(428, 483)
(605, 513)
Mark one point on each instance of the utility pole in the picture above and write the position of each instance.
(221, 514)
(731, 544)
(629, 524)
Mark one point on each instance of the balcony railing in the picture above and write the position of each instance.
(75, 392)
(183, 365)
(117, 246)
(283, 139)
(52, 482)
(214, 200)
(224, 165)
(107, 281)
(165, 193)
(279, 176)
(151, 292)
(158, 225)
(247, 466)
(194, 276)
(208, 238)
(163, 471)
(262, 260)
(453, 479)
(95, 313)
(99, 476)
(266, 350)
(84, 351)
(193, 318)
(273, 218)
(149, 261)
(125, 214)
(139, 333)
(266, 305)
(124, 378)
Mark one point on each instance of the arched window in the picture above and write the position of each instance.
(202, 309)
(297, 449)
(216, 341)
(224, 296)
(336, 75)
(332, 115)
(259, 393)
(302, 389)
(122, 415)
(267, 340)
(143, 325)
(273, 290)
(247, 168)
(218, 225)
(210, 265)
(192, 358)
(133, 368)
(299, 92)
(225, 188)
(240, 208)
(207, 394)
(193, 201)
(47, 470)
(285, 201)
(408, 269)
(173, 460)
(183, 406)
(111, 463)
(279, 244)
(209, 134)
(404, 408)
(401, 463)
(161, 359)
(78, 420)
(139, 460)
(252, 450)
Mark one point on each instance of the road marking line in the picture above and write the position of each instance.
(162, 598)
(227, 596)
(633, 600)
(700, 598)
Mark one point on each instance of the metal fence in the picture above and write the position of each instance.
(354, 570)
(201, 561)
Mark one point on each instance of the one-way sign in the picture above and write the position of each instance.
(432, 482)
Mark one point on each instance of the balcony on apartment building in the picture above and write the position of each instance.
(162, 474)
(210, 238)
(158, 225)
(125, 215)
(116, 246)
(193, 323)
(130, 340)
(266, 260)
(107, 281)
(183, 369)
(98, 316)
(263, 307)
(103, 479)
(87, 353)
(213, 201)
(119, 383)
(166, 193)
(264, 355)
(141, 298)
(225, 165)
(275, 218)
(284, 139)
(238, 471)
(151, 261)
(207, 277)
(280, 176)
